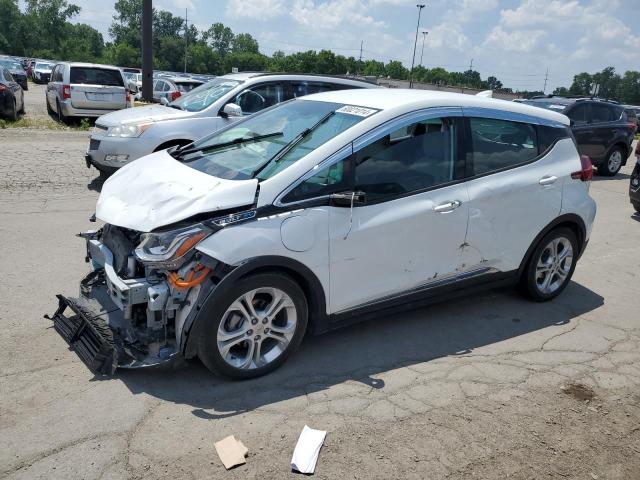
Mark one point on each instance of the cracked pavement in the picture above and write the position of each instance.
(471, 388)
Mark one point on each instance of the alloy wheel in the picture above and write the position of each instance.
(554, 265)
(257, 328)
(615, 161)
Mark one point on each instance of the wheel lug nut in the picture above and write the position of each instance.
(249, 332)
(266, 330)
(257, 337)
(265, 320)
(254, 321)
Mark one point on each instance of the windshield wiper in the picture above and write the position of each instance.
(289, 146)
(235, 141)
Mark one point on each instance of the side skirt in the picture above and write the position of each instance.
(427, 296)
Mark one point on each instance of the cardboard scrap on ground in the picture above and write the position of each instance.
(231, 451)
(307, 450)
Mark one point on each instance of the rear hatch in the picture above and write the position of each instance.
(96, 88)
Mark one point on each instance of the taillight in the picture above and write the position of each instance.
(127, 93)
(66, 92)
(2, 87)
(175, 95)
(586, 174)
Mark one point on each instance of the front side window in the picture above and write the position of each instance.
(409, 159)
(259, 97)
(499, 144)
(269, 142)
(205, 95)
(332, 179)
(8, 77)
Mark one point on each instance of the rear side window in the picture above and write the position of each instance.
(500, 144)
(96, 76)
(603, 113)
(302, 88)
(579, 114)
(7, 76)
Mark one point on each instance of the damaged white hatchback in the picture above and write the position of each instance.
(320, 212)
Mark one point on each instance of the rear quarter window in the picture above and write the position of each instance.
(96, 76)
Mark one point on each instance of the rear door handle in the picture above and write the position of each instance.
(447, 206)
(548, 180)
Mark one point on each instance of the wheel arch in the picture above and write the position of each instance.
(172, 143)
(569, 220)
(300, 273)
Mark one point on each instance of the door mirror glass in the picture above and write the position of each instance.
(133, 88)
(231, 110)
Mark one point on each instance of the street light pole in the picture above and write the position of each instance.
(424, 36)
(415, 44)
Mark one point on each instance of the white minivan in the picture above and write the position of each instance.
(320, 212)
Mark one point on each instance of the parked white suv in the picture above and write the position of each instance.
(121, 137)
(85, 90)
(319, 212)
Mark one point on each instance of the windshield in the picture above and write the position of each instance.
(201, 97)
(44, 66)
(286, 133)
(550, 105)
(11, 64)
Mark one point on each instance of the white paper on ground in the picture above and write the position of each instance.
(307, 449)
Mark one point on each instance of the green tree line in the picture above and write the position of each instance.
(44, 30)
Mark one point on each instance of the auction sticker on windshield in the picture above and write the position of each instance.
(359, 111)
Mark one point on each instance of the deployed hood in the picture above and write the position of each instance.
(158, 190)
(150, 113)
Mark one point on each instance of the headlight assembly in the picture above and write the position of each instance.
(170, 249)
(128, 131)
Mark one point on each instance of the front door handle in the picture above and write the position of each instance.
(548, 180)
(447, 206)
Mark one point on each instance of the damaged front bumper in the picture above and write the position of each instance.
(121, 322)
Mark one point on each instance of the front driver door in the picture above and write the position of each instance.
(407, 234)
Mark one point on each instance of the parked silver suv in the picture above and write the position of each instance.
(120, 137)
(85, 90)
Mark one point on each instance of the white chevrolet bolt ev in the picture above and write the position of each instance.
(320, 212)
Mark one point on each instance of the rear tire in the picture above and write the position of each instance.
(613, 163)
(49, 109)
(13, 114)
(61, 116)
(22, 107)
(551, 265)
(241, 342)
(636, 205)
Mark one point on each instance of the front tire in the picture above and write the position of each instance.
(551, 265)
(13, 114)
(257, 326)
(613, 163)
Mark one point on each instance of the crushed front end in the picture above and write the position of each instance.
(136, 298)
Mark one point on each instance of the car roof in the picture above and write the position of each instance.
(409, 100)
(90, 65)
(243, 76)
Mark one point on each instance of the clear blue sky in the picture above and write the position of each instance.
(517, 40)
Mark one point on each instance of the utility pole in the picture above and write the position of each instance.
(415, 44)
(147, 50)
(424, 36)
(360, 59)
(186, 37)
(470, 72)
(546, 77)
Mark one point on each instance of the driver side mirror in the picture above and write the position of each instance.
(347, 199)
(231, 110)
(133, 88)
(164, 101)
